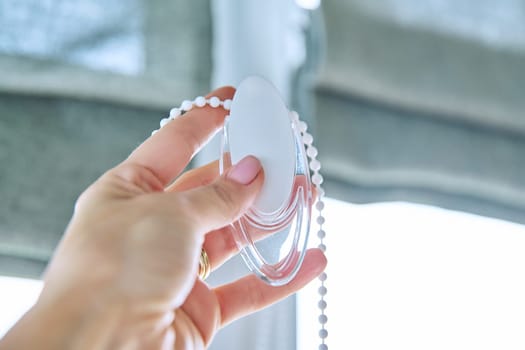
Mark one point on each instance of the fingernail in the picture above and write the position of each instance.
(245, 171)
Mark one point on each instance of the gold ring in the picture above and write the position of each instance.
(204, 265)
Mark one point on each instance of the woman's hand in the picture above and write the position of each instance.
(125, 273)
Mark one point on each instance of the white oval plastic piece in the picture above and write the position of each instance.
(259, 125)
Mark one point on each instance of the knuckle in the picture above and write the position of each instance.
(138, 176)
(228, 240)
(82, 200)
(227, 199)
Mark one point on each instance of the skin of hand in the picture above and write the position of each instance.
(124, 276)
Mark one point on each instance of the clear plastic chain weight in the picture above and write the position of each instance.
(272, 236)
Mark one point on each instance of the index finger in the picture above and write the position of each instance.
(170, 150)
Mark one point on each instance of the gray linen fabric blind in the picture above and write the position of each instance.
(81, 84)
(423, 101)
(133, 52)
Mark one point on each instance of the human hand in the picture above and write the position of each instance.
(125, 273)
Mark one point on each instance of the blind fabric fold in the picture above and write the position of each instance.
(134, 52)
(415, 114)
(81, 86)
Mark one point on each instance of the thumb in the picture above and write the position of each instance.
(225, 200)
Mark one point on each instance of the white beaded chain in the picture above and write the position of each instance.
(317, 180)
(187, 105)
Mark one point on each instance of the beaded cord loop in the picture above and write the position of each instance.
(187, 105)
(316, 178)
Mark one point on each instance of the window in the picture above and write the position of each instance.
(407, 276)
(17, 295)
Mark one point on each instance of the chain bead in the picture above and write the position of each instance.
(200, 101)
(323, 319)
(214, 102)
(302, 126)
(322, 277)
(308, 139)
(186, 105)
(317, 179)
(315, 165)
(174, 113)
(164, 121)
(294, 116)
(311, 152)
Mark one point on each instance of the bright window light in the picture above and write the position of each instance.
(406, 276)
(308, 4)
(17, 295)
(400, 276)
